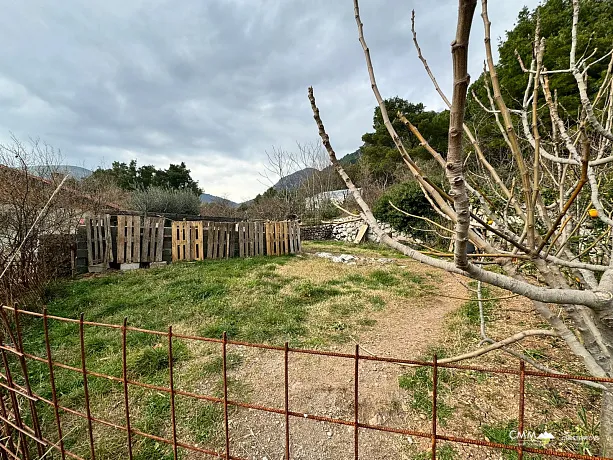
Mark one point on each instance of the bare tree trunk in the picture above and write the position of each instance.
(455, 156)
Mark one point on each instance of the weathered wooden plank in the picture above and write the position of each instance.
(108, 238)
(214, 235)
(95, 240)
(128, 240)
(88, 231)
(260, 232)
(209, 248)
(193, 234)
(248, 239)
(361, 233)
(230, 239)
(281, 238)
(121, 239)
(145, 247)
(191, 228)
(268, 238)
(286, 236)
(158, 224)
(136, 239)
(220, 240)
(223, 231)
(254, 238)
(188, 240)
(241, 239)
(253, 228)
(243, 227)
(181, 242)
(291, 234)
(197, 229)
(175, 241)
(299, 241)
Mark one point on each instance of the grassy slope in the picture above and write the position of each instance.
(248, 298)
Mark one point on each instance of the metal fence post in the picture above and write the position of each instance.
(356, 411)
(90, 430)
(173, 418)
(125, 383)
(56, 410)
(286, 388)
(26, 378)
(225, 395)
(434, 396)
(522, 378)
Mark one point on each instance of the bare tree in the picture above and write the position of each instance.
(38, 218)
(570, 157)
(303, 195)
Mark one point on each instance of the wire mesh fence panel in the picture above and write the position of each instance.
(149, 410)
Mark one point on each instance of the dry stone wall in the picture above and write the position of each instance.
(346, 229)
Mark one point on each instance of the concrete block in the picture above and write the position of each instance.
(158, 264)
(97, 268)
(129, 266)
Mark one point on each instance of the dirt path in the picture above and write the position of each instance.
(324, 386)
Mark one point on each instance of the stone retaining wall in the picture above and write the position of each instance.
(346, 229)
(316, 232)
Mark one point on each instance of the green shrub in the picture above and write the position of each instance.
(160, 199)
(408, 197)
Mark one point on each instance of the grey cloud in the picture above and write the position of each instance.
(204, 81)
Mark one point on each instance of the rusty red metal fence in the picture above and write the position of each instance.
(19, 404)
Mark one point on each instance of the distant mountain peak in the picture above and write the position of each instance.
(208, 198)
(294, 180)
(47, 171)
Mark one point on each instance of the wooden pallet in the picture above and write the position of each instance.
(282, 238)
(250, 239)
(128, 239)
(152, 239)
(220, 240)
(99, 242)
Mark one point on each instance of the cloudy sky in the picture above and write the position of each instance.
(215, 83)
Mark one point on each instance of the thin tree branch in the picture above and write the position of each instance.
(500, 344)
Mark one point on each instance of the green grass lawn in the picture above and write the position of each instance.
(309, 302)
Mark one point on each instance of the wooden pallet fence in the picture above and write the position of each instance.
(152, 239)
(128, 239)
(198, 246)
(99, 242)
(220, 240)
(182, 240)
(250, 239)
(282, 238)
(233, 239)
